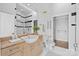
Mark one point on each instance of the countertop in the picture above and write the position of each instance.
(7, 43)
(4, 42)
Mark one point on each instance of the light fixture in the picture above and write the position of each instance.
(28, 4)
(21, 9)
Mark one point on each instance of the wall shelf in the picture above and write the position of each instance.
(23, 26)
(24, 22)
(25, 16)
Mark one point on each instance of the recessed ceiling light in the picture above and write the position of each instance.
(28, 4)
(21, 9)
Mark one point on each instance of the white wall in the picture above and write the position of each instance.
(7, 15)
(8, 8)
(6, 24)
(59, 8)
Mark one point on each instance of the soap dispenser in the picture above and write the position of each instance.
(14, 36)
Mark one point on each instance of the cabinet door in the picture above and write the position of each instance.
(0, 52)
(37, 50)
(0, 47)
(27, 51)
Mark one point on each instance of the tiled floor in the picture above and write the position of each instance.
(50, 53)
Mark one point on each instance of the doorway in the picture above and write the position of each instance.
(61, 31)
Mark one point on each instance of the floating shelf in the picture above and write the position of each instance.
(23, 26)
(24, 22)
(25, 16)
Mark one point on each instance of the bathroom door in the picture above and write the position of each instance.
(61, 30)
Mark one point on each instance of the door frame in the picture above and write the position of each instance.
(68, 14)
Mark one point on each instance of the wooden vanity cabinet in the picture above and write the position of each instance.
(27, 50)
(22, 48)
(37, 50)
(32, 50)
(0, 47)
(13, 50)
(0, 52)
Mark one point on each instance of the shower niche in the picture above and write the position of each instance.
(61, 31)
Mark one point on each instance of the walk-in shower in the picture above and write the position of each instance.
(61, 30)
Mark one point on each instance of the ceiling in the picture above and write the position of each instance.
(24, 10)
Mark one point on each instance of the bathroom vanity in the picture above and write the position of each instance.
(21, 48)
(0, 52)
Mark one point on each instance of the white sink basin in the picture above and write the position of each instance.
(30, 38)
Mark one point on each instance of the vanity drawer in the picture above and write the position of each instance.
(12, 49)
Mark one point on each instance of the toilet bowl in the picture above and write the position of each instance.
(51, 45)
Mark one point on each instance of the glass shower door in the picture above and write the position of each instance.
(61, 29)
